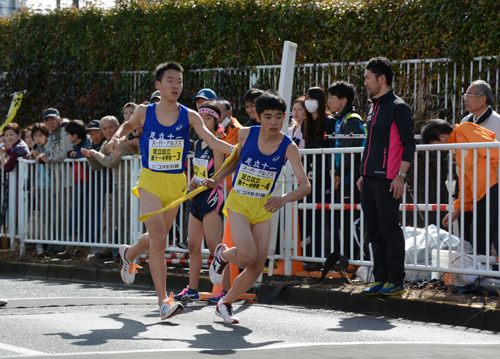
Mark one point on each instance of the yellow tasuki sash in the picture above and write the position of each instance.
(191, 194)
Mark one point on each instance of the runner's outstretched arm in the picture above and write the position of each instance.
(242, 137)
(213, 142)
(138, 117)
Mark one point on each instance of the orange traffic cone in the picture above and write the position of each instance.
(233, 270)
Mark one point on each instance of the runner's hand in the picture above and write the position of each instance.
(274, 203)
(193, 185)
(209, 183)
(112, 146)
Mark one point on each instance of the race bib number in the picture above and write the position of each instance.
(254, 182)
(200, 169)
(165, 155)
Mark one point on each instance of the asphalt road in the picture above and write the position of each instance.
(46, 318)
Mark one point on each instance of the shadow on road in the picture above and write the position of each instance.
(224, 339)
(364, 322)
(102, 336)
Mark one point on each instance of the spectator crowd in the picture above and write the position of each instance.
(89, 198)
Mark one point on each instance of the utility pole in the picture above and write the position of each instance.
(76, 3)
(58, 4)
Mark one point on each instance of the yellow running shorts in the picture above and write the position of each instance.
(166, 186)
(250, 207)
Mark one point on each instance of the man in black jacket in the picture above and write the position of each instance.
(389, 150)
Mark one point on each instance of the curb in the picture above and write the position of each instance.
(321, 296)
(455, 314)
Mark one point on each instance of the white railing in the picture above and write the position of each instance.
(62, 218)
(421, 248)
(99, 211)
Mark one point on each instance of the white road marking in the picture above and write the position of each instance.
(19, 350)
(124, 353)
(68, 301)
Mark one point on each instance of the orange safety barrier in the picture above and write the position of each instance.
(233, 270)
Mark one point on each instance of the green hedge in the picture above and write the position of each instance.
(58, 57)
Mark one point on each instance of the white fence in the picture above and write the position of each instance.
(423, 253)
(432, 87)
(64, 210)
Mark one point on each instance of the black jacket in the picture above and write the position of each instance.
(390, 137)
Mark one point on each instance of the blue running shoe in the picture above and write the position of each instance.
(218, 296)
(374, 288)
(188, 294)
(392, 289)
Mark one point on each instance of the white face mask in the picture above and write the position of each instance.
(226, 122)
(311, 106)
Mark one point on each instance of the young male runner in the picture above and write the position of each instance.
(262, 152)
(164, 147)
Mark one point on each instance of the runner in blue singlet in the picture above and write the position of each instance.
(164, 146)
(261, 154)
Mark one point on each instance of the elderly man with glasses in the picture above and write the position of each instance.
(478, 100)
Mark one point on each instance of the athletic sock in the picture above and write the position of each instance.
(222, 259)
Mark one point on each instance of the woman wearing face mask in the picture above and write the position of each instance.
(316, 125)
(298, 113)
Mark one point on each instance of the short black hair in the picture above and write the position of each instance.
(76, 127)
(161, 68)
(433, 128)
(270, 101)
(381, 66)
(343, 89)
(252, 95)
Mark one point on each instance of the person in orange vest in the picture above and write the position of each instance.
(440, 131)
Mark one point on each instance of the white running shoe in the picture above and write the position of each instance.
(225, 311)
(168, 309)
(129, 269)
(217, 266)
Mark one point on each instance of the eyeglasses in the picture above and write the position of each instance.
(466, 96)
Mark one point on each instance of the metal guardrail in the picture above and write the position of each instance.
(427, 85)
(62, 219)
